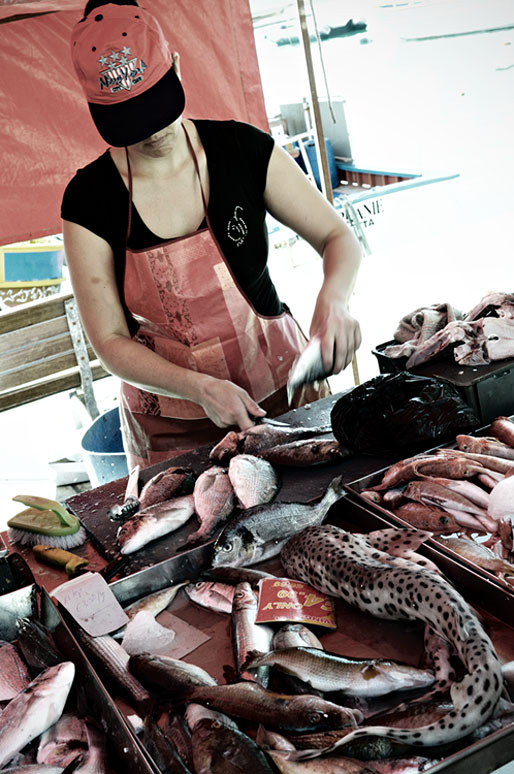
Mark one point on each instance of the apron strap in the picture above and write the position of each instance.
(195, 160)
(129, 173)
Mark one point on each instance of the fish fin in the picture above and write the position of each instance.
(251, 656)
(397, 542)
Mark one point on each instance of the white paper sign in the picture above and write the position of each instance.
(92, 604)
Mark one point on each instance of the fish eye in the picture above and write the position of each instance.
(216, 724)
(226, 546)
(315, 716)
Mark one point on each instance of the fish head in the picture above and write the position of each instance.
(130, 535)
(319, 714)
(234, 548)
(244, 597)
(226, 448)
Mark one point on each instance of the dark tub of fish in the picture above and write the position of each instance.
(447, 540)
(358, 635)
(64, 692)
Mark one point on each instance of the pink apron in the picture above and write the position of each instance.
(192, 312)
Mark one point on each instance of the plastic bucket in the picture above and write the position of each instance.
(102, 448)
(310, 147)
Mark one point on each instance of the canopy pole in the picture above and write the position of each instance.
(319, 139)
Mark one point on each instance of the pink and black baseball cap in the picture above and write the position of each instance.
(125, 67)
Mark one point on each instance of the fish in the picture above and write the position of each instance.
(262, 436)
(250, 701)
(94, 761)
(154, 603)
(473, 492)
(236, 575)
(431, 493)
(328, 672)
(308, 368)
(347, 765)
(34, 768)
(367, 578)
(176, 730)
(165, 485)
(154, 522)
(259, 533)
(214, 501)
(492, 446)
(503, 429)
(34, 709)
(307, 452)
(253, 479)
(478, 554)
(60, 744)
(36, 643)
(219, 746)
(114, 661)
(163, 674)
(294, 635)
(445, 464)
(161, 749)
(428, 517)
(14, 675)
(248, 636)
(217, 597)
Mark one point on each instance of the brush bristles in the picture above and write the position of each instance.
(26, 538)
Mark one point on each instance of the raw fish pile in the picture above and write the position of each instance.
(484, 334)
(288, 702)
(241, 478)
(464, 496)
(39, 729)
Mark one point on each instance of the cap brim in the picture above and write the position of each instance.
(137, 118)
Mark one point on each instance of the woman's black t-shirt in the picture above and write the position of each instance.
(237, 158)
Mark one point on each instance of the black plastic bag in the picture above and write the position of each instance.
(400, 413)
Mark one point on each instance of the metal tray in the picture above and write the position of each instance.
(124, 751)
(354, 489)
(357, 635)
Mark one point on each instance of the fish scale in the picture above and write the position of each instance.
(366, 577)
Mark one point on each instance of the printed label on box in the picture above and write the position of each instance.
(283, 599)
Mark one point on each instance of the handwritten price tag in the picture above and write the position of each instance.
(92, 604)
(282, 599)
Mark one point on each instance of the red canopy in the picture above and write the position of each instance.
(46, 131)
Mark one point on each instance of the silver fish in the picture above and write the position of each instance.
(154, 603)
(33, 768)
(214, 501)
(339, 563)
(254, 480)
(154, 522)
(329, 672)
(259, 533)
(166, 674)
(35, 709)
(248, 635)
(295, 635)
(213, 596)
(308, 368)
(14, 675)
(114, 660)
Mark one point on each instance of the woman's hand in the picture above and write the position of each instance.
(338, 331)
(227, 404)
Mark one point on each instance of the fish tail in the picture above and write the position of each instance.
(332, 495)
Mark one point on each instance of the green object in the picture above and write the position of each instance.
(44, 522)
(44, 504)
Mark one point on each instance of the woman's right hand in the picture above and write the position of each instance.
(227, 404)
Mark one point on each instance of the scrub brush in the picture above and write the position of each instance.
(46, 518)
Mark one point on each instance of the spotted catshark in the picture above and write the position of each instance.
(352, 567)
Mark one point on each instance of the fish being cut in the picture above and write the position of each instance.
(259, 533)
(154, 522)
(35, 709)
(262, 436)
(254, 480)
(308, 368)
(359, 574)
(306, 452)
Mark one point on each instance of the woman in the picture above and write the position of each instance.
(166, 244)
